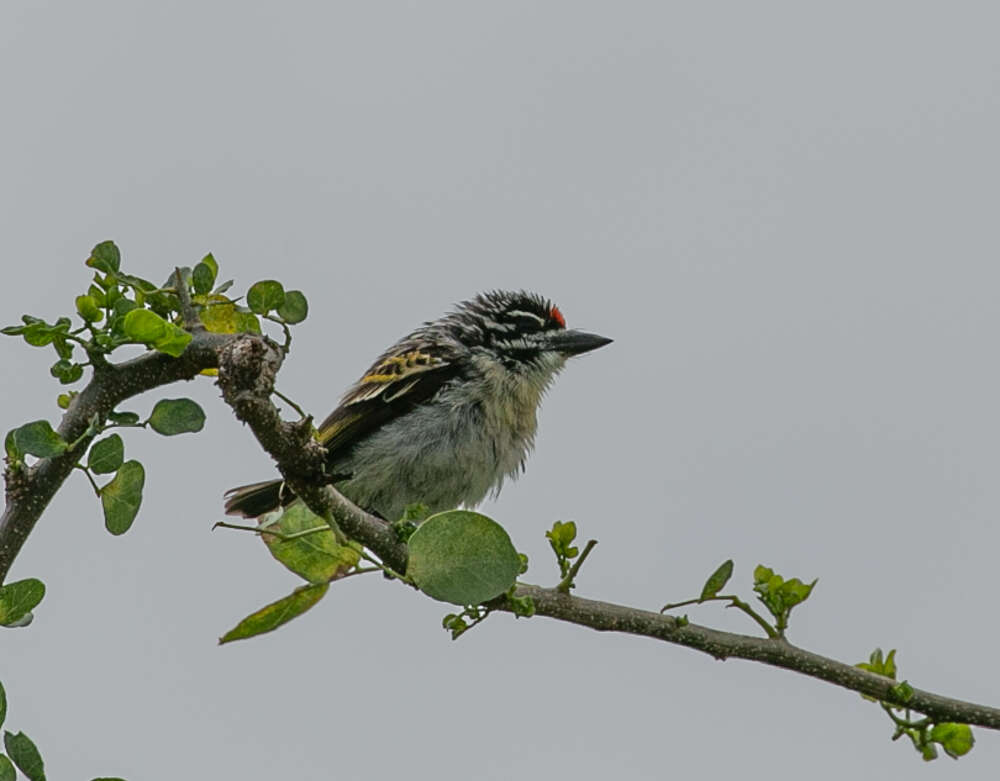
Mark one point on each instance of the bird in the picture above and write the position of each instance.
(446, 415)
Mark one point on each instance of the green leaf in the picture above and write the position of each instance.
(955, 739)
(220, 318)
(119, 309)
(99, 296)
(3, 705)
(266, 295)
(107, 455)
(144, 326)
(247, 322)
(38, 439)
(717, 580)
(21, 749)
(176, 416)
(316, 556)
(63, 348)
(163, 304)
(272, 616)
(105, 257)
(18, 599)
(65, 399)
(38, 333)
(462, 557)
(209, 260)
(174, 342)
(123, 418)
(295, 308)
(122, 496)
(7, 772)
(203, 276)
(88, 309)
(66, 371)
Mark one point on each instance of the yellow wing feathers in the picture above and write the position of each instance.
(393, 373)
(395, 367)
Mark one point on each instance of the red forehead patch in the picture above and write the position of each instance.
(556, 315)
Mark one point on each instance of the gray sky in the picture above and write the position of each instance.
(784, 214)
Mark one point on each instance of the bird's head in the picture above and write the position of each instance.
(523, 332)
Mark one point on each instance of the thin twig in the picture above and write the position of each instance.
(90, 477)
(290, 403)
(567, 582)
(188, 313)
(734, 601)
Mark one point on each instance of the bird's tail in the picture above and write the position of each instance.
(256, 499)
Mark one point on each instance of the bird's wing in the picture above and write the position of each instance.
(394, 384)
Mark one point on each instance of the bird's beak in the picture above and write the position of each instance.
(577, 342)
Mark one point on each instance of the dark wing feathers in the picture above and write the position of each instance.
(395, 384)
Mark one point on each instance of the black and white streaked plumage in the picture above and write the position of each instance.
(446, 414)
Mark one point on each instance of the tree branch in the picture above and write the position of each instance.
(609, 617)
(30, 490)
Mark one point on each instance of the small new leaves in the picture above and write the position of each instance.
(778, 595)
(270, 617)
(879, 664)
(66, 371)
(462, 557)
(717, 580)
(22, 751)
(176, 416)
(459, 623)
(107, 455)
(955, 739)
(266, 295)
(456, 624)
(18, 599)
(122, 496)
(561, 537)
